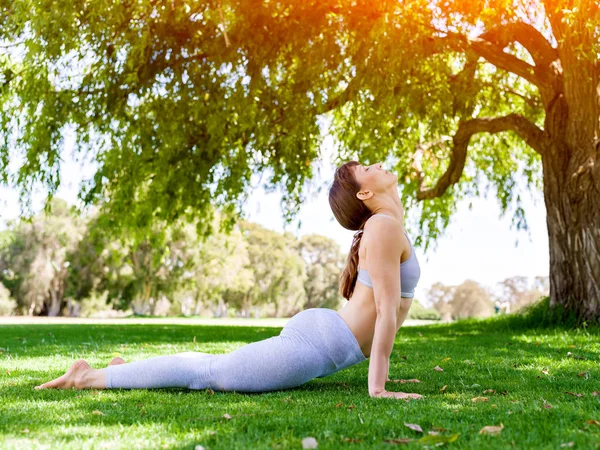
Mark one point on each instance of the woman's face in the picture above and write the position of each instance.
(374, 178)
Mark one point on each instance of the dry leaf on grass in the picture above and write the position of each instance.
(412, 380)
(309, 442)
(227, 416)
(567, 444)
(574, 394)
(339, 404)
(545, 371)
(352, 440)
(489, 391)
(446, 359)
(98, 413)
(582, 374)
(479, 399)
(438, 368)
(399, 441)
(596, 393)
(444, 388)
(492, 429)
(413, 426)
(593, 422)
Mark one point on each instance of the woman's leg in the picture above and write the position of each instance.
(279, 362)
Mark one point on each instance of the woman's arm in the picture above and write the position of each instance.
(383, 258)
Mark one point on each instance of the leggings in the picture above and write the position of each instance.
(314, 343)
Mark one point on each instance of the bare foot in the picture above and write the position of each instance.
(116, 361)
(75, 377)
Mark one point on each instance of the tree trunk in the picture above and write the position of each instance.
(572, 197)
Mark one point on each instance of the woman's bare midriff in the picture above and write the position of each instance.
(360, 312)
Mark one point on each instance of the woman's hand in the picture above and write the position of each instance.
(398, 395)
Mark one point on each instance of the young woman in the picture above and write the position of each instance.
(378, 281)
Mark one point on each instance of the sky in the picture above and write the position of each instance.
(477, 245)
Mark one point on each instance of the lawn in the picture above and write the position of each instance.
(539, 385)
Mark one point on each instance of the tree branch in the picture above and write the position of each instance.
(529, 132)
(537, 45)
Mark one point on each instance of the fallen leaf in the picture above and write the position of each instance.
(419, 333)
(574, 394)
(596, 393)
(399, 441)
(440, 429)
(545, 371)
(547, 405)
(504, 392)
(446, 359)
(444, 388)
(494, 405)
(339, 404)
(98, 413)
(352, 440)
(593, 422)
(309, 442)
(568, 444)
(438, 368)
(479, 399)
(412, 380)
(582, 374)
(491, 429)
(227, 416)
(489, 391)
(403, 357)
(351, 407)
(438, 439)
(413, 426)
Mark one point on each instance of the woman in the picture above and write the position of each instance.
(315, 342)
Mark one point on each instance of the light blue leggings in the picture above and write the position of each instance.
(314, 343)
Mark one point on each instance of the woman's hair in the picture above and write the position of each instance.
(352, 214)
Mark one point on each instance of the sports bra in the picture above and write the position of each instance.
(410, 271)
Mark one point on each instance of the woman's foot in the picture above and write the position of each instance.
(76, 377)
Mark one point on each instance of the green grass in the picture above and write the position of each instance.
(500, 354)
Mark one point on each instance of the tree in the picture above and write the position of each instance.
(34, 265)
(183, 102)
(521, 291)
(324, 263)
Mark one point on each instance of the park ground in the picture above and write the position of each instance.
(538, 386)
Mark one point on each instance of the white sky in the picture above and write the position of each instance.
(477, 245)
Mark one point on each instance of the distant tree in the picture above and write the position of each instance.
(440, 296)
(470, 299)
(35, 262)
(7, 304)
(324, 262)
(522, 291)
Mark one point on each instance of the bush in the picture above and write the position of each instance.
(7, 304)
(419, 312)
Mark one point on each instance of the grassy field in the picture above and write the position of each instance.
(543, 383)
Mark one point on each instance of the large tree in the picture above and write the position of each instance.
(181, 101)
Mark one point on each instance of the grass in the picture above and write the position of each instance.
(529, 369)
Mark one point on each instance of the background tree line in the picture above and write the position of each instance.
(63, 263)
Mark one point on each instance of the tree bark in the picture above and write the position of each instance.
(572, 197)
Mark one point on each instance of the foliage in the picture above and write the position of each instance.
(7, 304)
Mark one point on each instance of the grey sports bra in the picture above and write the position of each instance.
(410, 272)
